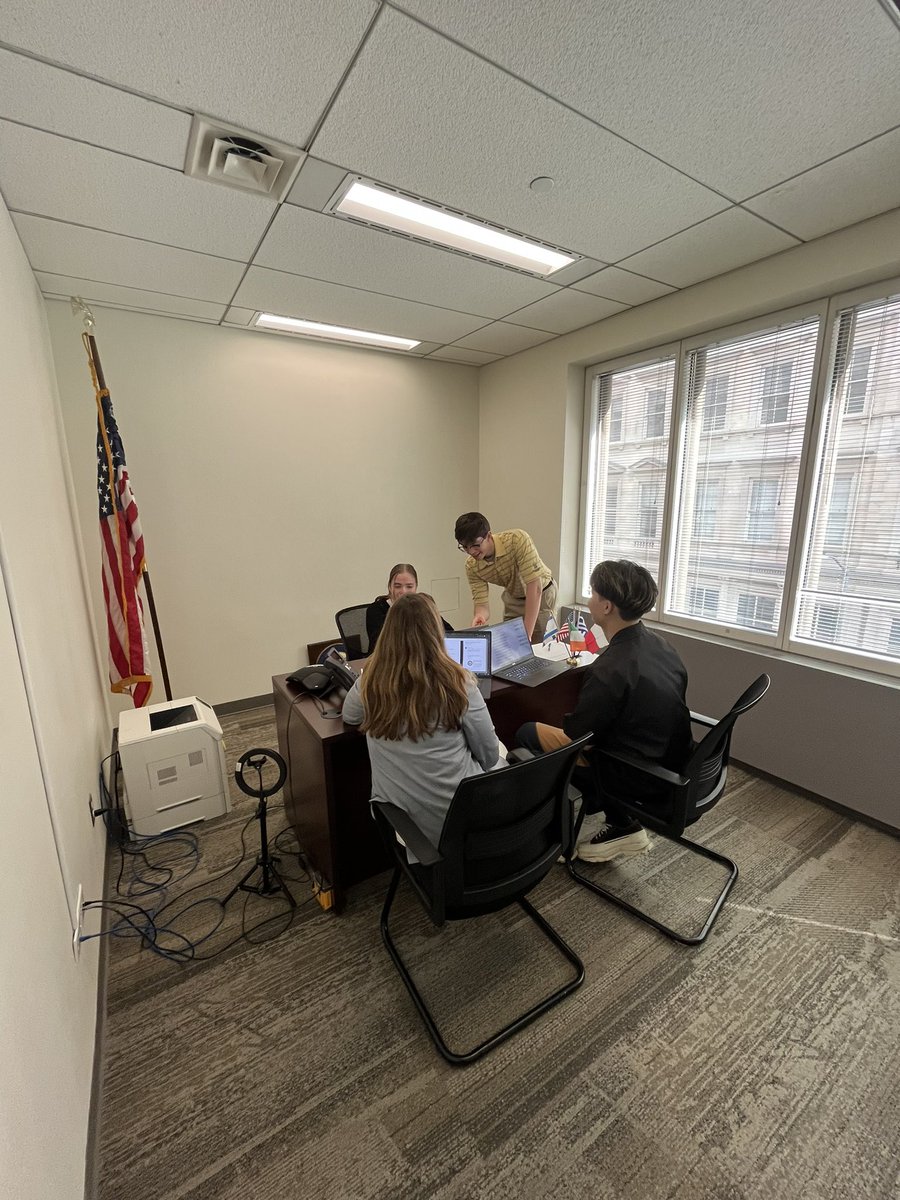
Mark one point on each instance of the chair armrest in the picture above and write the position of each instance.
(699, 719)
(644, 766)
(519, 755)
(414, 839)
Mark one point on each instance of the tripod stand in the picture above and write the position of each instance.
(271, 882)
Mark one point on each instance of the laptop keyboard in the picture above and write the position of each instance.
(523, 670)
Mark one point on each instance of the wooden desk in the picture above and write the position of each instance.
(329, 782)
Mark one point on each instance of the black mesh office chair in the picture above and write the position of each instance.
(502, 834)
(687, 798)
(351, 623)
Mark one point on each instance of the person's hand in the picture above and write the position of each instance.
(479, 620)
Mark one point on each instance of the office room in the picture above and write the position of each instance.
(717, 185)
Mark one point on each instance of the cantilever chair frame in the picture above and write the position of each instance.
(445, 877)
(692, 795)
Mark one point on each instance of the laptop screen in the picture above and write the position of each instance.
(509, 643)
(471, 650)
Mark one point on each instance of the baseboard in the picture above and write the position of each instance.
(852, 813)
(235, 706)
(92, 1147)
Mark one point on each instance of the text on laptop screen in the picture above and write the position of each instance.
(509, 643)
(472, 653)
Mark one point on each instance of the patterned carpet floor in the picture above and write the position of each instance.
(760, 1066)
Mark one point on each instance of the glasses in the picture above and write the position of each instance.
(474, 546)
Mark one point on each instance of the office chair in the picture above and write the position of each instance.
(688, 797)
(351, 623)
(503, 833)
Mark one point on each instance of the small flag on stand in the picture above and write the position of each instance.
(122, 552)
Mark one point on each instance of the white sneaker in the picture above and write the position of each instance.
(610, 843)
(593, 823)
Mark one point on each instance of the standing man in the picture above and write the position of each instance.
(510, 560)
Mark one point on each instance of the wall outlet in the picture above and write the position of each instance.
(78, 926)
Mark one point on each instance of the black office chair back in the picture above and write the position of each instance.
(504, 831)
(351, 623)
(707, 767)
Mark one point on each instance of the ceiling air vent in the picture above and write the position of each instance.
(240, 159)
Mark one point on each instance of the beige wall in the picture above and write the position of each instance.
(277, 481)
(54, 730)
(533, 405)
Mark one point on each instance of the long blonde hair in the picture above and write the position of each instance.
(411, 686)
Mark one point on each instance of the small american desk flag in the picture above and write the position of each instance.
(122, 552)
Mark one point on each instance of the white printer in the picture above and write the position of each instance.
(173, 764)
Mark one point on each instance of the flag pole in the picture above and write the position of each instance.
(78, 305)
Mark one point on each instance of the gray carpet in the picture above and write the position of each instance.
(765, 1064)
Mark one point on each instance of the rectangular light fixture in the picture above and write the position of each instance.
(333, 333)
(385, 208)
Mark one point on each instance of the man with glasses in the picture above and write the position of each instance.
(510, 560)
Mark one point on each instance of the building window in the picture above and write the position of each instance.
(776, 393)
(763, 509)
(756, 612)
(706, 507)
(611, 513)
(715, 402)
(825, 622)
(858, 380)
(703, 601)
(655, 413)
(839, 511)
(615, 420)
(648, 511)
(893, 642)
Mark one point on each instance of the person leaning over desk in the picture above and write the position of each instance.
(633, 700)
(510, 560)
(426, 723)
(402, 581)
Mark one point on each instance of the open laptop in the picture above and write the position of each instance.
(471, 648)
(514, 658)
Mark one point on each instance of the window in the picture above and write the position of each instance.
(648, 513)
(756, 612)
(707, 505)
(715, 402)
(850, 565)
(655, 412)
(704, 601)
(776, 393)
(839, 511)
(763, 510)
(893, 642)
(858, 380)
(625, 484)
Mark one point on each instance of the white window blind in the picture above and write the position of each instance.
(739, 463)
(630, 419)
(849, 593)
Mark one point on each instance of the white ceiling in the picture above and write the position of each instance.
(683, 142)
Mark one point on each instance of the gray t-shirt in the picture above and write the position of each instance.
(421, 777)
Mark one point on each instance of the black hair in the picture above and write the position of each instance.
(470, 527)
(629, 586)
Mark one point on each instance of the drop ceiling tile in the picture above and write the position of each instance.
(239, 316)
(616, 284)
(315, 184)
(859, 184)
(315, 300)
(566, 311)
(54, 177)
(326, 247)
(501, 338)
(268, 66)
(739, 96)
(477, 358)
(57, 248)
(720, 244)
(116, 296)
(60, 102)
(488, 136)
(98, 304)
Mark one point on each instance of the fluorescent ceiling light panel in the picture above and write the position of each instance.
(385, 208)
(332, 333)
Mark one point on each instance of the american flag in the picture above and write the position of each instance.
(123, 560)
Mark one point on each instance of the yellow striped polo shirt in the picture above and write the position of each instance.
(515, 564)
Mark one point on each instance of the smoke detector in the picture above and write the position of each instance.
(240, 159)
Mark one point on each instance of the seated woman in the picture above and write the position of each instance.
(402, 581)
(426, 723)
